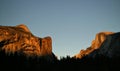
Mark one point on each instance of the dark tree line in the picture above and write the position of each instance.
(19, 62)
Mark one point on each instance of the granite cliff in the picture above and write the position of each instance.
(19, 39)
(96, 43)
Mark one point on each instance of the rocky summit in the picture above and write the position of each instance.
(110, 47)
(19, 39)
(99, 39)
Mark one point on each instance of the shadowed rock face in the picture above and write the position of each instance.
(110, 47)
(99, 39)
(20, 39)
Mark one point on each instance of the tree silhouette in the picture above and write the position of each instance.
(20, 62)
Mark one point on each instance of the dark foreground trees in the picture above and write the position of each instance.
(17, 62)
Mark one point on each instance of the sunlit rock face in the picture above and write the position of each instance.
(19, 39)
(99, 39)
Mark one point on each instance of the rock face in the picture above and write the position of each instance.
(110, 47)
(99, 39)
(19, 39)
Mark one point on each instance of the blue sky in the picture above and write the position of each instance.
(72, 24)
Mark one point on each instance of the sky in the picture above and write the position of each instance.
(72, 24)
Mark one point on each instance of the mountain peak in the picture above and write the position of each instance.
(100, 37)
(19, 39)
(24, 27)
(96, 43)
